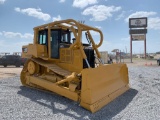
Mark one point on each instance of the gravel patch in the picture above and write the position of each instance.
(141, 102)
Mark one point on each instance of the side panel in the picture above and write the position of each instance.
(35, 50)
(66, 55)
(71, 60)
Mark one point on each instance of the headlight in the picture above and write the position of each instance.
(24, 50)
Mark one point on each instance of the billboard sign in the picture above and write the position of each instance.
(138, 37)
(137, 31)
(137, 22)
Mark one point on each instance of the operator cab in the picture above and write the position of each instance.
(59, 38)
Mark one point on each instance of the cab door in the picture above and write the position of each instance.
(55, 40)
(58, 36)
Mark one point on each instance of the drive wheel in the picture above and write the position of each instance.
(32, 67)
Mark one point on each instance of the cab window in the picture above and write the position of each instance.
(65, 36)
(42, 38)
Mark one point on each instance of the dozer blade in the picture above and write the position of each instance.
(103, 84)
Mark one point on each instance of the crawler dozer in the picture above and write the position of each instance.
(59, 61)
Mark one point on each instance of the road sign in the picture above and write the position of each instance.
(138, 37)
(137, 31)
(137, 22)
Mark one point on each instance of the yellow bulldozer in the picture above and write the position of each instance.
(60, 62)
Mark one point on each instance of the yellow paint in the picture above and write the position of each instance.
(92, 87)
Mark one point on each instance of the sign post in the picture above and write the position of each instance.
(137, 34)
(145, 47)
(131, 47)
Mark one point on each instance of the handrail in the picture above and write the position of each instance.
(80, 27)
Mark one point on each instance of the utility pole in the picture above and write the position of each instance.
(126, 49)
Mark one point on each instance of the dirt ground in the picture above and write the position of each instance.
(140, 62)
(9, 71)
(140, 102)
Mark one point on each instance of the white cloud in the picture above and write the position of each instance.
(140, 14)
(0, 33)
(154, 23)
(37, 13)
(120, 16)
(94, 32)
(61, 1)
(105, 46)
(99, 27)
(57, 18)
(100, 12)
(20, 44)
(17, 35)
(14, 47)
(2, 1)
(1, 42)
(125, 39)
(83, 3)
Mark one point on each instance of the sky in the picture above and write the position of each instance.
(19, 17)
